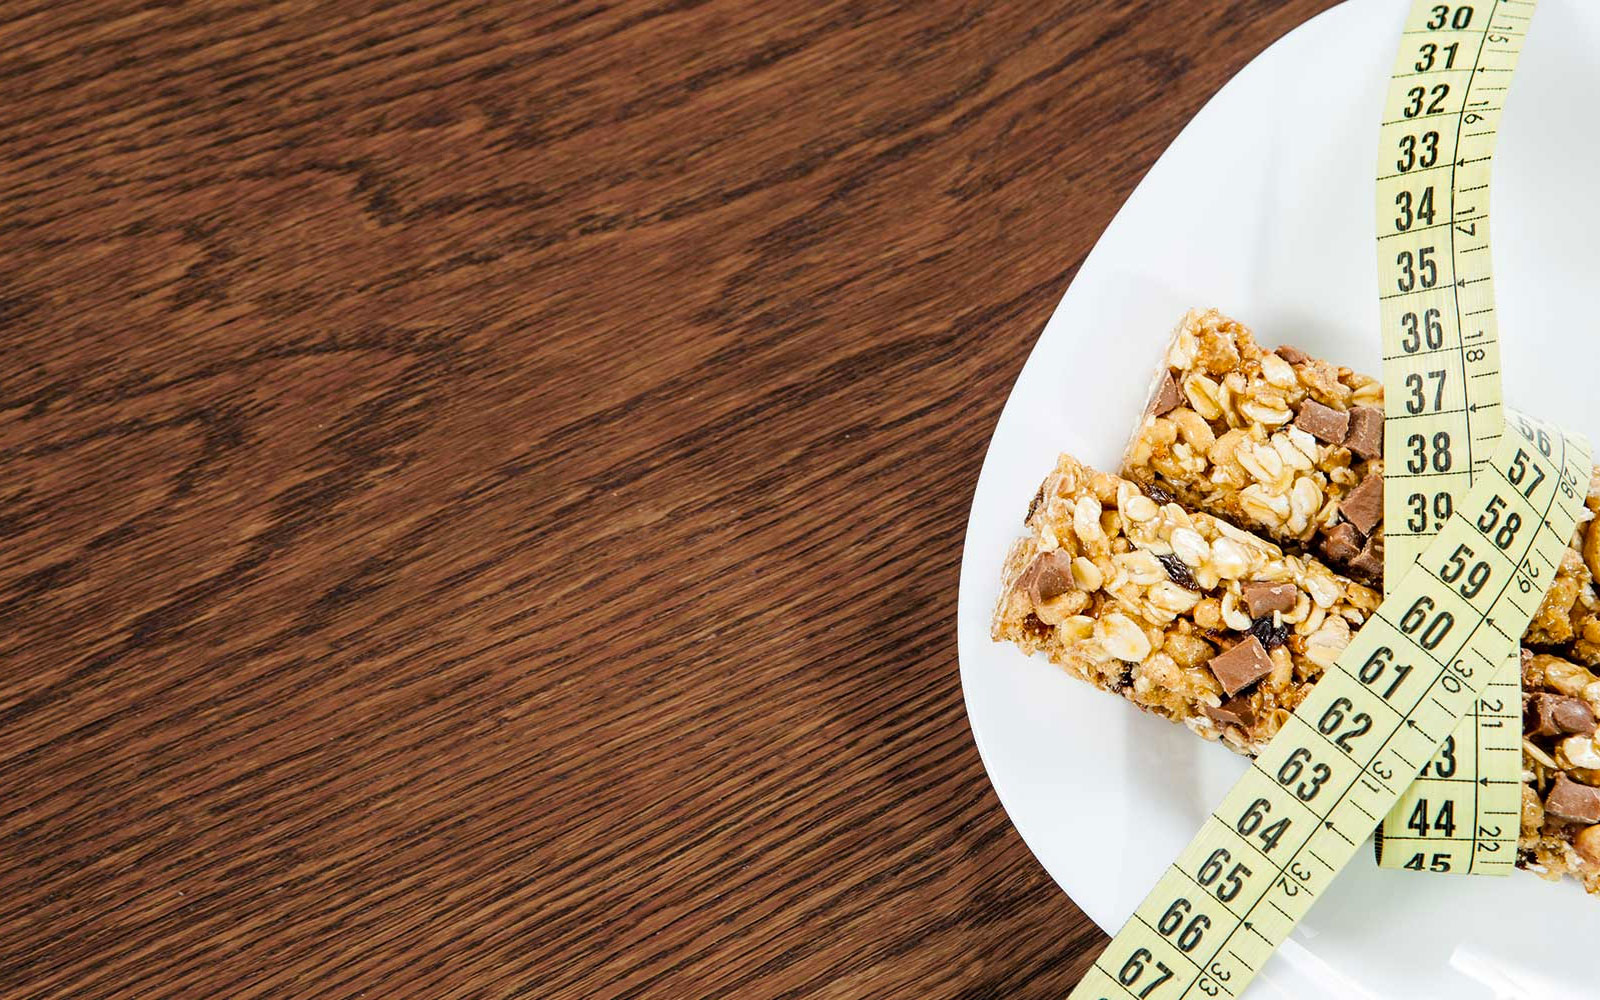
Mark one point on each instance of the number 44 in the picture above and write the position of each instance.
(1444, 821)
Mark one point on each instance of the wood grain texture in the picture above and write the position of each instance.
(483, 484)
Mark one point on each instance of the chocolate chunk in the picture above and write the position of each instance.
(1538, 716)
(1168, 396)
(1233, 712)
(1241, 666)
(1048, 576)
(1370, 562)
(1263, 598)
(1572, 801)
(1363, 506)
(1033, 505)
(1293, 355)
(1323, 422)
(1343, 543)
(1268, 633)
(1178, 571)
(1366, 432)
(1574, 715)
(1556, 715)
(1124, 681)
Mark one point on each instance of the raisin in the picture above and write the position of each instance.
(1124, 682)
(1270, 635)
(1525, 857)
(1158, 494)
(1178, 571)
(1033, 505)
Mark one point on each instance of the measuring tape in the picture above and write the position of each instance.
(1441, 379)
(1368, 726)
(1462, 587)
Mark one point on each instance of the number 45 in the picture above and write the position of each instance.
(1440, 863)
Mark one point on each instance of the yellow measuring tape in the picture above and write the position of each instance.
(1462, 587)
(1441, 379)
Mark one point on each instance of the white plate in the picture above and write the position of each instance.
(1263, 207)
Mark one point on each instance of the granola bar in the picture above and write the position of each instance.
(1277, 442)
(1193, 619)
(1291, 447)
(1180, 612)
(1330, 444)
(1560, 770)
(1568, 619)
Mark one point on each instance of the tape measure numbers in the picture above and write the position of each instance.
(1463, 585)
(1349, 750)
(1442, 400)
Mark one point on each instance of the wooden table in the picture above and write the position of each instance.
(483, 484)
